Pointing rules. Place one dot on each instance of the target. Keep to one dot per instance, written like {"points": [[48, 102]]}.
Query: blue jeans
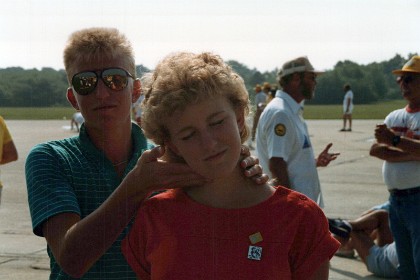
{"points": [[404, 216]]}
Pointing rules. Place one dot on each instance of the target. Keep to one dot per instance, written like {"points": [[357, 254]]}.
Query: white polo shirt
{"points": [[282, 132]]}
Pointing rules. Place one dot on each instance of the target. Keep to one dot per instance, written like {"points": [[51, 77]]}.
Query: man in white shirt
{"points": [[398, 144], [347, 107], [283, 144]]}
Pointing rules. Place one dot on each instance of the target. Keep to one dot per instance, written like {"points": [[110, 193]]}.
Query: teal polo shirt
{"points": [[72, 175]]}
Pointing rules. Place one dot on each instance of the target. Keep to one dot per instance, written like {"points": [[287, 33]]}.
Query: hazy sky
{"points": [[258, 33]]}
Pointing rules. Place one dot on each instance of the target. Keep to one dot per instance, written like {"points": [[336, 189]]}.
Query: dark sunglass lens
{"points": [[407, 79], [84, 83], [116, 79]]}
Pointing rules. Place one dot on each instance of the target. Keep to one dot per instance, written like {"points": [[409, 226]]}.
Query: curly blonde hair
{"points": [[185, 78], [94, 44]]}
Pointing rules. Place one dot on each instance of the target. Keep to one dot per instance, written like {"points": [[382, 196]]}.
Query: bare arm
{"points": [[78, 243], [278, 168], [391, 154], [322, 272], [408, 146], [411, 146], [9, 153]]}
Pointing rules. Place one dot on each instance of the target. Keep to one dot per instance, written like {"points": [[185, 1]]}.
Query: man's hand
{"points": [[252, 168], [325, 157], [383, 134]]}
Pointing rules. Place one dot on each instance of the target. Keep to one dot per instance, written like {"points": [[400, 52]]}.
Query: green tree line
{"points": [[371, 83]]}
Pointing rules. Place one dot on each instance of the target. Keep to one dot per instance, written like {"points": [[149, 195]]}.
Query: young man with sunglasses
{"points": [[84, 191], [398, 144]]}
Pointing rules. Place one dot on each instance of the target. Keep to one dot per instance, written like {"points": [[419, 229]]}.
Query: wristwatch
{"points": [[396, 140]]}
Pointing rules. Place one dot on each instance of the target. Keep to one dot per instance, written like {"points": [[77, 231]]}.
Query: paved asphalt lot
{"points": [[351, 184]]}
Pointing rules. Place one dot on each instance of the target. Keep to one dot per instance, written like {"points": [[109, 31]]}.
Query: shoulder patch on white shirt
{"points": [[280, 129]]}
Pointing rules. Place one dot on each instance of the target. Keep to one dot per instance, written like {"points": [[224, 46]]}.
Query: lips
{"points": [[104, 107], [215, 156]]}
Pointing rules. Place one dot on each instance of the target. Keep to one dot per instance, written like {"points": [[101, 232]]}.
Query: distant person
{"points": [[137, 110], [8, 152], [228, 227], [283, 144], [260, 99], [398, 144], [370, 236], [84, 191], [271, 94], [347, 107], [76, 121]]}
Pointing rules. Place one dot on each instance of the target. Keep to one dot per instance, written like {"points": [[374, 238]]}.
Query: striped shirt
{"points": [[72, 175]]}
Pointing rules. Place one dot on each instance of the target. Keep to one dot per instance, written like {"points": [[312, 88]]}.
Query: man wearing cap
{"points": [[398, 144], [283, 143]]}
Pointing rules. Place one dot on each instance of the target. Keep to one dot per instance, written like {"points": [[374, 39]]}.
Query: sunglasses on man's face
{"points": [[85, 82], [406, 79]]}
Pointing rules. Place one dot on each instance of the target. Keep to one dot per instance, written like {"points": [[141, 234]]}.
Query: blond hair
{"points": [[97, 43], [184, 78]]}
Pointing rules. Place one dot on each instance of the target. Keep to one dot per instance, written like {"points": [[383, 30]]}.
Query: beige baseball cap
{"points": [[300, 64]]}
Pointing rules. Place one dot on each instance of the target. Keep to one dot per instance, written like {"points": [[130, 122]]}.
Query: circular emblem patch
{"points": [[280, 129]]}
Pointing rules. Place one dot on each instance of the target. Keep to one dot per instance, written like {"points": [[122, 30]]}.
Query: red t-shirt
{"points": [[174, 237]]}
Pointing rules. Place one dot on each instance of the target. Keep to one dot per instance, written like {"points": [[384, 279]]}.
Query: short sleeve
{"points": [[134, 245], [49, 191], [281, 135], [313, 243]]}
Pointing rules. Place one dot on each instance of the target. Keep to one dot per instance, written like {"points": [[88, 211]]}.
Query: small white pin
{"points": [[254, 253]]}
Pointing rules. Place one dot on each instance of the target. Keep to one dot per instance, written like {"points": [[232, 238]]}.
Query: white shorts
{"points": [[349, 111], [379, 261]]}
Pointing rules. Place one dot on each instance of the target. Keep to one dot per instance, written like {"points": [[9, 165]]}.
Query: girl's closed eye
{"points": [[187, 136], [218, 122]]}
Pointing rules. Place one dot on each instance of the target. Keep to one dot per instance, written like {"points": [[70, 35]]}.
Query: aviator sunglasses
{"points": [[405, 79], [85, 82]]}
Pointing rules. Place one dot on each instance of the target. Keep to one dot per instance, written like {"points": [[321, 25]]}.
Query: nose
{"points": [[207, 139], [101, 90]]}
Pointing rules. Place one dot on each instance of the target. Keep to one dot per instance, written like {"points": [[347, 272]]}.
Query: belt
{"points": [[405, 192]]}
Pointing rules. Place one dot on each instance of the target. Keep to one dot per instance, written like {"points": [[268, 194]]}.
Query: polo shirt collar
{"points": [[294, 106], [139, 144]]}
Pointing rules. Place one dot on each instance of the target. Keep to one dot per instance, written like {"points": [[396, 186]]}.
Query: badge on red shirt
{"points": [[255, 252]]}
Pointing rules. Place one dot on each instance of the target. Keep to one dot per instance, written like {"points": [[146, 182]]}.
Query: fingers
{"points": [[163, 175], [327, 148], [249, 161], [253, 170], [334, 155], [153, 154], [261, 179], [245, 151]]}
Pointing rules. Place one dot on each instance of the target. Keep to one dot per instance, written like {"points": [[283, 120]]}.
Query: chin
{"points": [[216, 173]]}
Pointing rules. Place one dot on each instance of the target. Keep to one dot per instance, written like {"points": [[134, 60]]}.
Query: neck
{"points": [[115, 142], [232, 192], [413, 107], [294, 93]]}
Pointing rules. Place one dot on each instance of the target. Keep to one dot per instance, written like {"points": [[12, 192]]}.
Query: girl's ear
{"points": [[72, 99]]}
